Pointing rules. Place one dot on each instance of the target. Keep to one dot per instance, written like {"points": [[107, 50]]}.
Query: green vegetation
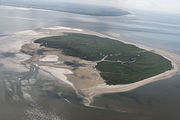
{"points": [[118, 63]]}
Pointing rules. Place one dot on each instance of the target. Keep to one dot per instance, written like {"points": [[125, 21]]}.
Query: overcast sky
{"points": [[171, 6]]}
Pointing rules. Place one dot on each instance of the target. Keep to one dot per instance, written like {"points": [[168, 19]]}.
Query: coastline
{"points": [[103, 89], [90, 89]]}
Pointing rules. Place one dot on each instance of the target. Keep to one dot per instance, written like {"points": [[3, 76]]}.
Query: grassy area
{"points": [[122, 63]]}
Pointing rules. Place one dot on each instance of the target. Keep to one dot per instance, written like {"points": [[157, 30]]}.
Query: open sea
{"points": [[155, 101]]}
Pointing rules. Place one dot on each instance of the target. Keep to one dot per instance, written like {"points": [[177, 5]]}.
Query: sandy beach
{"points": [[85, 79]]}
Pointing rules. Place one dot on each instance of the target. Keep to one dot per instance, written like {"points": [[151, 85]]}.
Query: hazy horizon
{"points": [[164, 6]]}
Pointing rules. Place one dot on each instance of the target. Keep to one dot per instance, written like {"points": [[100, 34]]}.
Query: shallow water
{"points": [[159, 100], [51, 99]]}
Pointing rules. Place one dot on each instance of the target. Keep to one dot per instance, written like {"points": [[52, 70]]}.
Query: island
{"points": [[76, 8], [93, 64], [117, 62]]}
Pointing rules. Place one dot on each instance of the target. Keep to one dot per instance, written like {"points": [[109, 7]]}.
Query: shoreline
{"points": [[104, 89], [91, 88]]}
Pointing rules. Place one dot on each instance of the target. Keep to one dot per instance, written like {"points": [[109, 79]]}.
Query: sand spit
{"points": [[81, 74], [21, 8], [63, 28]]}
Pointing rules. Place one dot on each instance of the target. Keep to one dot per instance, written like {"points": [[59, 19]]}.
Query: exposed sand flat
{"points": [[63, 28], [49, 58], [85, 79], [58, 73], [21, 8], [12, 7]]}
